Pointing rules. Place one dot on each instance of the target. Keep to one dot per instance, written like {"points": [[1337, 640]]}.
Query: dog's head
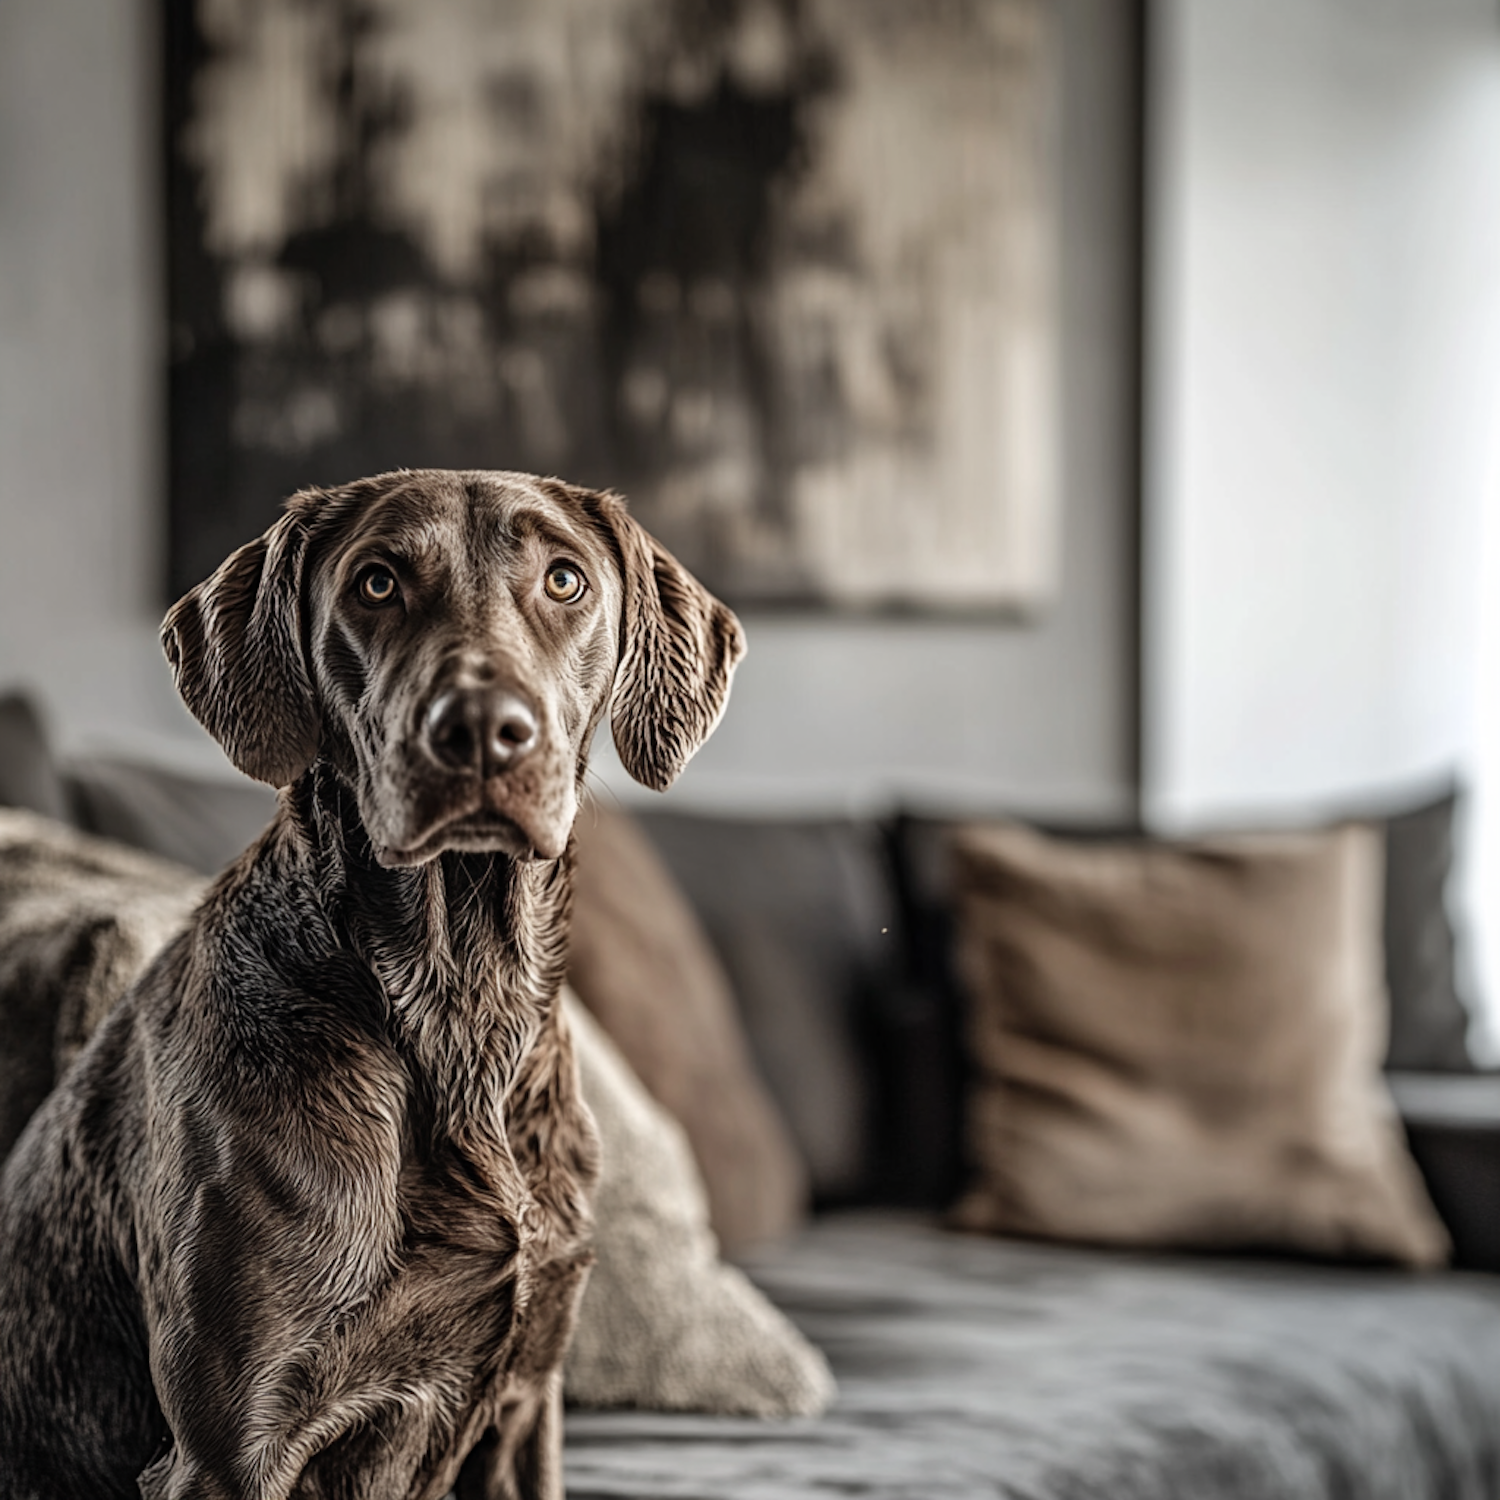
{"points": [[451, 641]]}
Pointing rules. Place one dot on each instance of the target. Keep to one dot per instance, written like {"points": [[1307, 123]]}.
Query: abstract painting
{"points": [[781, 271]]}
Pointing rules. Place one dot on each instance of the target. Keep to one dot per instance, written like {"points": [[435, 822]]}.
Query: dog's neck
{"points": [[469, 950]]}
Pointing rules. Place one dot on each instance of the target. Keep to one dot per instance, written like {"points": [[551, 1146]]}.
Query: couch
{"points": [[982, 1364]]}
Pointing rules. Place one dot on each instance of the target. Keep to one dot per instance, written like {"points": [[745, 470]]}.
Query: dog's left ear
{"points": [[679, 647], [235, 646]]}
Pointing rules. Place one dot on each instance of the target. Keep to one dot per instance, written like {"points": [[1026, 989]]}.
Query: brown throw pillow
{"points": [[641, 964], [1179, 1045]]}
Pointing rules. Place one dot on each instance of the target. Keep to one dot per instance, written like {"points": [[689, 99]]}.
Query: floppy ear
{"points": [[678, 650], [235, 645]]}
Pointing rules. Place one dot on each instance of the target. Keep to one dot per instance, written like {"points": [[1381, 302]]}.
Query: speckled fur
{"points": [[309, 1216]]}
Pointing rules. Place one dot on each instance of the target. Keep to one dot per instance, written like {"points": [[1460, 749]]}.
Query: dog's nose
{"points": [[480, 728]]}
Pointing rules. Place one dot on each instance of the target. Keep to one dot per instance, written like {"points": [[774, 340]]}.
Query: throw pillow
{"points": [[28, 776], [665, 1325], [1429, 1024], [803, 918], [641, 964], [79, 919], [1180, 1045]]}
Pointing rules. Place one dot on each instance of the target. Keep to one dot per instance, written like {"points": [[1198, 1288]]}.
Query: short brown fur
{"points": [[309, 1215]]}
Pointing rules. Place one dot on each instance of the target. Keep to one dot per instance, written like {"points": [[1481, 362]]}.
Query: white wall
{"points": [[827, 713], [1324, 397], [1324, 307]]}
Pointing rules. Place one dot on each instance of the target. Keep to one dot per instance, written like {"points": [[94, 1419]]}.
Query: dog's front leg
{"points": [[520, 1457], [269, 1474], [173, 1478], [539, 1465], [250, 1363], [246, 1464]]}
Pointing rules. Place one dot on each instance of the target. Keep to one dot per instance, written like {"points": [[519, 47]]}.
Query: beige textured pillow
{"points": [[665, 1324], [1179, 1045], [79, 918]]}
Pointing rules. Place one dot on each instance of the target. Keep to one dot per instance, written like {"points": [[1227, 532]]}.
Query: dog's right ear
{"points": [[235, 646]]}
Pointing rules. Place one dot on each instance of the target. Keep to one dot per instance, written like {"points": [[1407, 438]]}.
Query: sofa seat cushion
{"points": [[970, 1367]]}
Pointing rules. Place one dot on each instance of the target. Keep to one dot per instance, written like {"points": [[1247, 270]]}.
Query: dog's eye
{"points": [[377, 586], [564, 583]]}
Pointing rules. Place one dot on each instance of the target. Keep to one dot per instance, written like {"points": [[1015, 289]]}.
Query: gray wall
{"points": [[828, 713]]}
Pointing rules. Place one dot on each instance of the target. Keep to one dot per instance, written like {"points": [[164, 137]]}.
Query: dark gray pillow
{"points": [[803, 919], [29, 777], [193, 820], [1429, 1022]]}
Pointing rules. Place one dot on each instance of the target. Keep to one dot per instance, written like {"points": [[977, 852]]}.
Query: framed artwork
{"points": [[781, 271]]}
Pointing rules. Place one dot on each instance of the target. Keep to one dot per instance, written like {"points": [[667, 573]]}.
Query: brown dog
{"points": [[309, 1215]]}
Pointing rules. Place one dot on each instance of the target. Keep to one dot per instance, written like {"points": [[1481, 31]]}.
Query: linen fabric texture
{"points": [[1179, 1045]]}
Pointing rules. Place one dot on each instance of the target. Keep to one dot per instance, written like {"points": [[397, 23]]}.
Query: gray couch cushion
{"points": [[973, 1368], [1453, 1128], [1429, 1024], [196, 821], [29, 777], [803, 919]]}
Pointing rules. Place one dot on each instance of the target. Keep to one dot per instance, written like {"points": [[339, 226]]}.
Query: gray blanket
{"points": [[971, 1367]]}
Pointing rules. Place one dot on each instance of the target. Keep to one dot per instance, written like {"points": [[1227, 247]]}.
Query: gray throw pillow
{"points": [[29, 777], [803, 919], [197, 821], [1429, 1023]]}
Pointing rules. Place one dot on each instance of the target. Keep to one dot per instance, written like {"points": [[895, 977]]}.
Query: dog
{"points": [[309, 1216]]}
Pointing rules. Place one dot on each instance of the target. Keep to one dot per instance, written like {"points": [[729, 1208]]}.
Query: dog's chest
{"points": [[467, 1322], [484, 1265], [463, 1198]]}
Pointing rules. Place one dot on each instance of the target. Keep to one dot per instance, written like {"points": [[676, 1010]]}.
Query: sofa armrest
{"points": [[1452, 1124]]}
